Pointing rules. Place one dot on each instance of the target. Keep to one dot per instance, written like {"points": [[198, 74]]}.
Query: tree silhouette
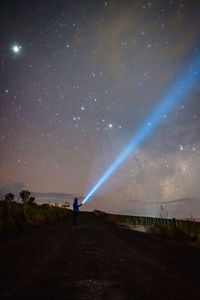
{"points": [[31, 200], [9, 197], [25, 196]]}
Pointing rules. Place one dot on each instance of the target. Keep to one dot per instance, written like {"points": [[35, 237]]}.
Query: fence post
{"points": [[196, 230], [174, 224]]}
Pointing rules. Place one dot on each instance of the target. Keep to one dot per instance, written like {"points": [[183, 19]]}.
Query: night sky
{"points": [[77, 78]]}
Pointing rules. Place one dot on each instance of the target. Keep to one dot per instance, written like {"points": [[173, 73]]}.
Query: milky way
{"points": [[87, 74]]}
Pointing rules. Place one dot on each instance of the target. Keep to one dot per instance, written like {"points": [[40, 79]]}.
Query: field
{"points": [[15, 215]]}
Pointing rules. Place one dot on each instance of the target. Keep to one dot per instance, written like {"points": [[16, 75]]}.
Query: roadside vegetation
{"points": [[16, 215], [164, 226]]}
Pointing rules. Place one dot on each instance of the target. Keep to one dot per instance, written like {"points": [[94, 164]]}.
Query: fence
{"points": [[190, 228]]}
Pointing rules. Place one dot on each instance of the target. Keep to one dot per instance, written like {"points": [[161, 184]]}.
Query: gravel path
{"points": [[95, 260]]}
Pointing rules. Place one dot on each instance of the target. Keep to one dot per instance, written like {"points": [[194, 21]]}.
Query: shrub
{"points": [[9, 197], [25, 196]]}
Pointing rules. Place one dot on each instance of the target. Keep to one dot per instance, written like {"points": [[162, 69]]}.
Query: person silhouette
{"points": [[76, 210]]}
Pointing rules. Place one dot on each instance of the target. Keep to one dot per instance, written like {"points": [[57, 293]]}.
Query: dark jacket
{"points": [[76, 206]]}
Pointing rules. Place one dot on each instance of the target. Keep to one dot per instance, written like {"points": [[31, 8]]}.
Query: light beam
{"points": [[179, 90]]}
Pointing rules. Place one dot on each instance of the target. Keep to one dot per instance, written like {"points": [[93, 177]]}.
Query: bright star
{"points": [[16, 48]]}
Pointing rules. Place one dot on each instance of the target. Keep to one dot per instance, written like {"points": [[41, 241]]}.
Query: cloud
{"points": [[14, 188], [183, 200], [40, 197], [48, 197], [123, 24]]}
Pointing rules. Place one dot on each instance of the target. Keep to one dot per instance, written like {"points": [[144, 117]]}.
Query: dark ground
{"points": [[95, 260]]}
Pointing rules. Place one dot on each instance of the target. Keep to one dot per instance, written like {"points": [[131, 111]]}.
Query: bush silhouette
{"points": [[31, 200], [9, 197], [25, 194]]}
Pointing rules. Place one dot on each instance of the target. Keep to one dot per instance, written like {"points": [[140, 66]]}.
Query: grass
{"points": [[179, 229], [15, 215]]}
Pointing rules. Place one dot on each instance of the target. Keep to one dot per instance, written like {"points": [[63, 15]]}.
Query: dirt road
{"points": [[95, 260]]}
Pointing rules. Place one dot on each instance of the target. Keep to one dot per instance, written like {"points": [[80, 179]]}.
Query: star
{"points": [[72, 79], [16, 48]]}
